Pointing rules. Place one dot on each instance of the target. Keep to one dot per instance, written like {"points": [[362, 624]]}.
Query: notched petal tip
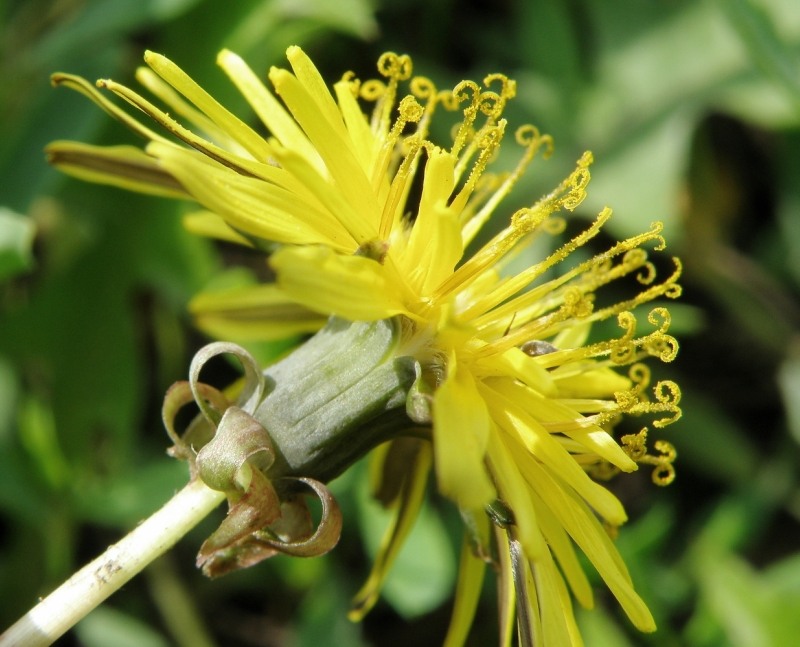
{"points": [[226, 56], [150, 57], [57, 78]]}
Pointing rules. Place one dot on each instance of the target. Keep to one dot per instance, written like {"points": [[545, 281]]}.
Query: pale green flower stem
{"points": [[96, 581], [332, 400]]}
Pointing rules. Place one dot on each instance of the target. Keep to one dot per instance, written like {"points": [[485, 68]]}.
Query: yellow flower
{"points": [[372, 220]]}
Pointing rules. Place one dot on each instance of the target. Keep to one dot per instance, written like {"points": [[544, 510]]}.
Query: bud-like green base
{"points": [[337, 396]]}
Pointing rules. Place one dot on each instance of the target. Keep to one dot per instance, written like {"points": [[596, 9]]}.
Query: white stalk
{"points": [[91, 585]]}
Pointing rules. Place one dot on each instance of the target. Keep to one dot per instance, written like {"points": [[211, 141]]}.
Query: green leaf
{"points": [[783, 582], [723, 451], [259, 32], [735, 520], [599, 629], [423, 575], [16, 242], [126, 499], [76, 327], [37, 433], [549, 37], [789, 383], [789, 206], [349, 16], [641, 544], [767, 50], [9, 392], [751, 609], [650, 72], [101, 22], [106, 626], [322, 619]]}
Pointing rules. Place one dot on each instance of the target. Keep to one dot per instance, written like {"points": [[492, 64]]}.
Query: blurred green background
{"points": [[692, 109]]}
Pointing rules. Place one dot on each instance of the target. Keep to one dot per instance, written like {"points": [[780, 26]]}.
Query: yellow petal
{"points": [[506, 593], [508, 413], [336, 150], [468, 589], [352, 287], [313, 83], [237, 159], [575, 336], [553, 415], [272, 114], [563, 549], [87, 89], [124, 167], [599, 382], [234, 127], [359, 132], [513, 489], [529, 598], [434, 246], [253, 312], [324, 192], [555, 606], [165, 92], [211, 225], [514, 363], [461, 432], [248, 204], [583, 526]]}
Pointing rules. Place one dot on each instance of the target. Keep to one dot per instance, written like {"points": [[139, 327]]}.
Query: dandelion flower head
{"points": [[366, 216]]}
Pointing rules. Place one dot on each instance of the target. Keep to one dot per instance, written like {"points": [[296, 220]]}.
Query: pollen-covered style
{"points": [[367, 217]]}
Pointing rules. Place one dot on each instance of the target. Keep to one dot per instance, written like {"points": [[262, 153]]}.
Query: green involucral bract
{"points": [[295, 426]]}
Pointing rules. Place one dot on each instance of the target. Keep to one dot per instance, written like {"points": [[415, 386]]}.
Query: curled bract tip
{"points": [[232, 452]]}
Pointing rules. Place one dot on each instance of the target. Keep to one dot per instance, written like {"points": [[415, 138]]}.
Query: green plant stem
{"points": [[91, 585]]}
